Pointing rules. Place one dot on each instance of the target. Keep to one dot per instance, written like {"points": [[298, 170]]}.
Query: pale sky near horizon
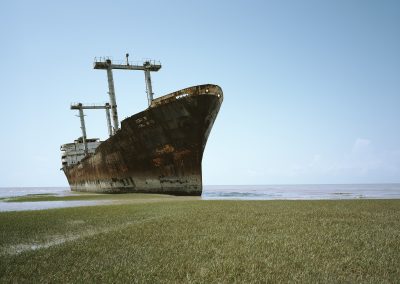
{"points": [[311, 88]]}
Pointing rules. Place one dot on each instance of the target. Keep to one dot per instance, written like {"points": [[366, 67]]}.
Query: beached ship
{"points": [[158, 150]]}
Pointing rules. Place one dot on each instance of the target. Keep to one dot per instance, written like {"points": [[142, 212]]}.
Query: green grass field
{"points": [[190, 240]]}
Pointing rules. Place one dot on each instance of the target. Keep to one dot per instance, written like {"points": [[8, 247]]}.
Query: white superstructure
{"points": [[73, 153]]}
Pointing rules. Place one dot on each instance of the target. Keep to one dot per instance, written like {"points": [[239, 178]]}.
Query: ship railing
{"points": [[103, 58], [191, 91], [123, 62], [90, 104]]}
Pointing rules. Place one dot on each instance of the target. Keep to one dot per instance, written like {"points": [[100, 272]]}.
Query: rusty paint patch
{"points": [[166, 149], [179, 155], [157, 162]]}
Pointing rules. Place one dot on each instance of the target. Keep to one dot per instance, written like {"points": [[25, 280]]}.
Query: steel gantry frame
{"points": [[81, 107], [106, 64]]}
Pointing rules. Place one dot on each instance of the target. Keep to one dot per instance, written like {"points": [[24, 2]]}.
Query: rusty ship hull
{"points": [[158, 150]]}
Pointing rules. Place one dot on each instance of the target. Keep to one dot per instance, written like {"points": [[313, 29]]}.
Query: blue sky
{"points": [[312, 88]]}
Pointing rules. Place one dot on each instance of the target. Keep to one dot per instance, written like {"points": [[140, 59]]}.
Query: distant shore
{"points": [[150, 238]]}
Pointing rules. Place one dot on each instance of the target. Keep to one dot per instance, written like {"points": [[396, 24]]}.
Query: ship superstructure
{"points": [[73, 153]]}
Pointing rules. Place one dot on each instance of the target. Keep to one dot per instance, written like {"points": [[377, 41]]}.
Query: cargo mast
{"points": [[106, 64]]}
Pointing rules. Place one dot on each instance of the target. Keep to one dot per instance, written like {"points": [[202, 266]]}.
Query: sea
{"points": [[221, 192]]}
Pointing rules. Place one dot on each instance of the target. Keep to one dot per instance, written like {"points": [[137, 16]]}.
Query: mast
{"points": [[82, 118], [107, 107], [111, 92], [147, 79]]}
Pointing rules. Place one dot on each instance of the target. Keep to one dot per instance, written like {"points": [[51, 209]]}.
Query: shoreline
{"points": [[47, 201]]}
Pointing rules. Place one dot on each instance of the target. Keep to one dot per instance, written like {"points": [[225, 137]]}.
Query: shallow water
{"points": [[40, 205], [220, 192], [22, 191], [303, 191], [7, 192]]}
